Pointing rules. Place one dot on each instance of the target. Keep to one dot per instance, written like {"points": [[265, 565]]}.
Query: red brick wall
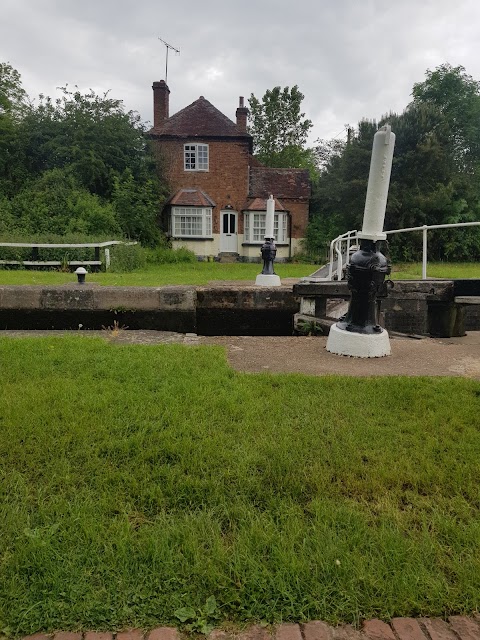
{"points": [[226, 181], [299, 214]]}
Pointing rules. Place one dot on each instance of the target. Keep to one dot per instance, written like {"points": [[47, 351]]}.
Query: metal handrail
{"points": [[349, 236]]}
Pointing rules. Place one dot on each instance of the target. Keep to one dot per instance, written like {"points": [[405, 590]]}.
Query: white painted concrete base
{"points": [[268, 281], [358, 345]]}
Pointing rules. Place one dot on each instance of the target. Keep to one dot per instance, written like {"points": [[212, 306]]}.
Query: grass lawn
{"points": [[201, 273], [195, 273], [139, 480], [413, 271]]}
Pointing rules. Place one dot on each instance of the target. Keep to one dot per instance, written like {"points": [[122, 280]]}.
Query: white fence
{"points": [[340, 247], [35, 246]]}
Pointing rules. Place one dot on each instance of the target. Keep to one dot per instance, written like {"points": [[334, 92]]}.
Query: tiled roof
{"points": [[191, 198], [282, 183], [200, 119], [260, 204]]}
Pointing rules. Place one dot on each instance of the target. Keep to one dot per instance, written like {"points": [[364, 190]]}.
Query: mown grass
{"points": [[136, 480], [196, 273], [201, 273], [413, 270]]}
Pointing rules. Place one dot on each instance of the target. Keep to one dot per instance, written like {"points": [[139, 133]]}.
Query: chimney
{"points": [[241, 113], [161, 94]]}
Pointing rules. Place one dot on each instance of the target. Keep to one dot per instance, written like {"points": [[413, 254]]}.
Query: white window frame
{"points": [[254, 227], [191, 222], [195, 156]]}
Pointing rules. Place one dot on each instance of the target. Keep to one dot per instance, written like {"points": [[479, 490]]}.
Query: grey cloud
{"points": [[350, 59]]}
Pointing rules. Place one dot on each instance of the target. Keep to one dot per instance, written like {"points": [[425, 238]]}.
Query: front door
{"points": [[228, 235]]}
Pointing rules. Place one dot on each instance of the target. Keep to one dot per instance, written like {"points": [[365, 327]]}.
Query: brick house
{"points": [[218, 189]]}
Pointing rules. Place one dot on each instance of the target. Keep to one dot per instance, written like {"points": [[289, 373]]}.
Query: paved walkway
{"points": [[307, 354], [455, 628]]}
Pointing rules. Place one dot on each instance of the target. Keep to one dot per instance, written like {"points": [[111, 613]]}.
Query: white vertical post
{"points": [[378, 182], [107, 259], [424, 254], [269, 221]]}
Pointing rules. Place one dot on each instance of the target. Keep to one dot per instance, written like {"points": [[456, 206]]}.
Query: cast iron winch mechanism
{"points": [[366, 273]]}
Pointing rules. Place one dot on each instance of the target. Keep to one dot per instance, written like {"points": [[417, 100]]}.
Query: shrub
{"points": [[165, 255], [127, 257]]}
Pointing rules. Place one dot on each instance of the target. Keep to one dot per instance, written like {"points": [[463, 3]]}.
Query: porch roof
{"points": [[260, 204], [191, 198]]}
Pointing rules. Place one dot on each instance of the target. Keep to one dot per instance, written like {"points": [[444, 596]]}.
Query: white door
{"points": [[228, 232]]}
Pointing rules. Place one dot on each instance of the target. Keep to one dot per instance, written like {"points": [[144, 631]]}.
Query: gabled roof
{"points": [[200, 119], [282, 183], [191, 198]]}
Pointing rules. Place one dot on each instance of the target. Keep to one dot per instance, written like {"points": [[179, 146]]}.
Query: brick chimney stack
{"points": [[161, 94], [241, 113]]}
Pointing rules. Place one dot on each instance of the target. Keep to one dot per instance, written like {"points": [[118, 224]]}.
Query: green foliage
{"points": [[434, 180], [456, 96], [13, 97], [56, 203], [127, 257], [279, 129], [167, 255], [137, 206], [88, 147], [201, 620]]}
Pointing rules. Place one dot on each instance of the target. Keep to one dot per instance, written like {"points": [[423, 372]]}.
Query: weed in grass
{"points": [[165, 483], [115, 330]]}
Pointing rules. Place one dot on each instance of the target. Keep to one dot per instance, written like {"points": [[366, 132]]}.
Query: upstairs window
{"points": [[195, 157]]}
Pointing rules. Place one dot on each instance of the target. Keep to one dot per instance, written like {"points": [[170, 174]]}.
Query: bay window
{"points": [[254, 227], [191, 222]]}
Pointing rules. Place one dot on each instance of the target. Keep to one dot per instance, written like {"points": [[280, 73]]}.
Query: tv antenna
{"points": [[168, 46]]}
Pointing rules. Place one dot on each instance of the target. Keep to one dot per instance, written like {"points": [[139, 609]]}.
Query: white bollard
{"points": [[378, 183]]}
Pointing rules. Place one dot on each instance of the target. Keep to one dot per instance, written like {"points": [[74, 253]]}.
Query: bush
{"points": [[127, 257], [166, 255]]}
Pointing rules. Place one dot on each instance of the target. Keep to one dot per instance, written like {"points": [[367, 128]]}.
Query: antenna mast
{"points": [[168, 46]]}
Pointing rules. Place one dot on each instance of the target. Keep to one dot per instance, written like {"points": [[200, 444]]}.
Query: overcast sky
{"points": [[351, 59]]}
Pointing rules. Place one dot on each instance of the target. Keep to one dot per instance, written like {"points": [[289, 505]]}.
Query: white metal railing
{"points": [[43, 245], [340, 246]]}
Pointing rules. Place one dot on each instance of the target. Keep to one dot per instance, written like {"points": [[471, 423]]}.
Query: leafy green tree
{"points": [[14, 105], [13, 97], [91, 134], [55, 203], [83, 151], [435, 174], [137, 208], [280, 129], [456, 95]]}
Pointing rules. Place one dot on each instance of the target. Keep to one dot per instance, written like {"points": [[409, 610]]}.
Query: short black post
{"points": [[365, 275], [81, 273]]}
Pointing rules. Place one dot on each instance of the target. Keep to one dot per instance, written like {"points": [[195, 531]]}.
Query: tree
{"points": [[435, 174], [456, 95], [13, 106], [279, 128], [55, 203], [85, 145], [13, 97]]}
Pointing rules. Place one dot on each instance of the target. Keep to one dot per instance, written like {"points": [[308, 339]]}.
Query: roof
{"points": [[282, 183], [260, 204], [200, 119], [191, 198]]}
